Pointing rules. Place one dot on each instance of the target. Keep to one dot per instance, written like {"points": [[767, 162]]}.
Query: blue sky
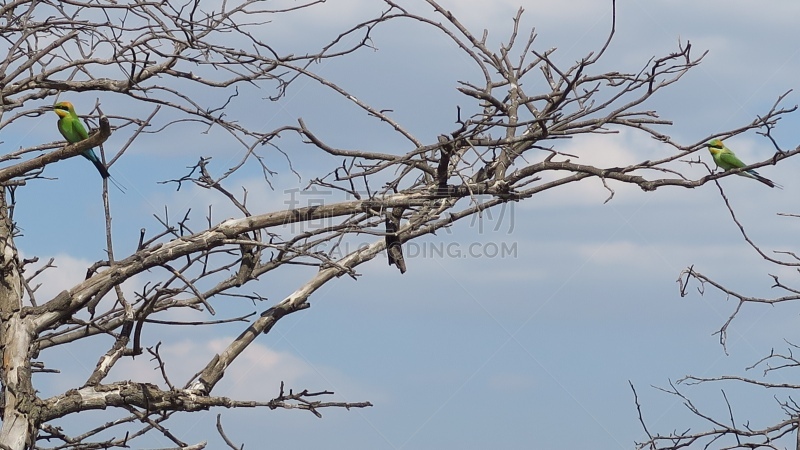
{"points": [[529, 350]]}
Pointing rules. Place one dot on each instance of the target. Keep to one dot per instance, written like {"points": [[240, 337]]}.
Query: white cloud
{"points": [[612, 150], [256, 373], [68, 272], [604, 151]]}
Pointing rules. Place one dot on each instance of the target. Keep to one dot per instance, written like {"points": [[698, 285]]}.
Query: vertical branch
{"points": [[16, 334], [797, 434]]}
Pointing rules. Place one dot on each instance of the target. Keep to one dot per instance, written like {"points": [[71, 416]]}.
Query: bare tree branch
{"points": [[176, 65]]}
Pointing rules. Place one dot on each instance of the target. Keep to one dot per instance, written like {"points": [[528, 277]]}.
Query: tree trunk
{"points": [[16, 335]]}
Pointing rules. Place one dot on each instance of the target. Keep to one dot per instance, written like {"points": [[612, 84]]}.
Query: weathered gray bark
{"points": [[16, 333]]}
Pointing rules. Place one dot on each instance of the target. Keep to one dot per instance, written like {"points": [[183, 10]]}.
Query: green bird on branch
{"points": [[725, 159], [70, 126]]}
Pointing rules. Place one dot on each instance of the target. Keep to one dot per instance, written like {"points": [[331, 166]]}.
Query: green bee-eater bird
{"points": [[70, 126], [726, 160]]}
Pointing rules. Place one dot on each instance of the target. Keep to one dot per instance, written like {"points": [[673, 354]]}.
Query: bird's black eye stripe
{"points": [[62, 107]]}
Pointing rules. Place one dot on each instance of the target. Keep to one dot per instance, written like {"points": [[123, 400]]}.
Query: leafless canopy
{"points": [[173, 57], [738, 429]]}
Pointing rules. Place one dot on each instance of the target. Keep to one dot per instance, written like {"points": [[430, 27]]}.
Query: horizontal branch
{"points": [[152, 399], [68, 151]]}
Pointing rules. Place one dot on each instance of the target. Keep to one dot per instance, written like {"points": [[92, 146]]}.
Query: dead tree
{"points": [[503, 147]]}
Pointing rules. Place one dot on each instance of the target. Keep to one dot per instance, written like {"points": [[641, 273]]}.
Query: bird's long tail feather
{"points": [[101, 168], [117, 184], [753, 174], [90, 155]]}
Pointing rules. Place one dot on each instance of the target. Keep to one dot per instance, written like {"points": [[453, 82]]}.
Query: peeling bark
{"points": [[16, 335]]}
